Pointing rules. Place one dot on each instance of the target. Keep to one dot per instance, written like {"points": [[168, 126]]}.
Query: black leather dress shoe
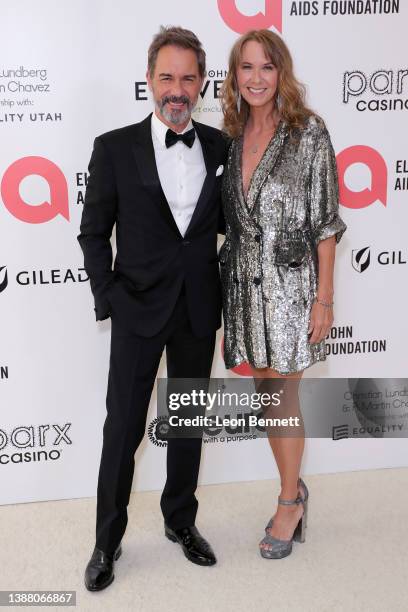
{"points": [[195, 547], [99, 571]]}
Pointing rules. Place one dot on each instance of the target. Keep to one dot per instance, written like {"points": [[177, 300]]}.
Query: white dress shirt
{"points": [[181, 171]]}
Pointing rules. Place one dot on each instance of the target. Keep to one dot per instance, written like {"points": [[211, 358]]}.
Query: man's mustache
{"points": [[176, 100]]}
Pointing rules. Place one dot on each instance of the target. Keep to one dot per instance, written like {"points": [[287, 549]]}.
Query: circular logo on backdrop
{"points": [[40, 213], [377, 191], [269, 15], [158, 428], [379, 404]]}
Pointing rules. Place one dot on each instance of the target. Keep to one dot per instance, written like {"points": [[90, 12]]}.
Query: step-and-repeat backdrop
{"points": [[72, 70]]}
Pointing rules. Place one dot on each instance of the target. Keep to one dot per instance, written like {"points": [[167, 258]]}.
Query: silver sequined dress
{"points": [[267, 306]]}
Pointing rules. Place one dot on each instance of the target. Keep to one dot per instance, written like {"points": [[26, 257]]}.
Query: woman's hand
{"points": [[321, 320]]}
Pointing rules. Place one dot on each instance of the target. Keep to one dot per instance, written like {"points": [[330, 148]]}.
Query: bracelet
{"points": [[327, 304]]}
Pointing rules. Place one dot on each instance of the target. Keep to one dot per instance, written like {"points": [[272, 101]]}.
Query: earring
{"points": [[278, 101], [239, 102]]}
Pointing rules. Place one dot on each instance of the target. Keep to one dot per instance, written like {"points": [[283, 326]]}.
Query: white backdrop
{"points": [[70, 71]]}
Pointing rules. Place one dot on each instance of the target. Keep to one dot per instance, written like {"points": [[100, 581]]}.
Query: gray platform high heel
{"points": [[301, 484], [283, 548]]}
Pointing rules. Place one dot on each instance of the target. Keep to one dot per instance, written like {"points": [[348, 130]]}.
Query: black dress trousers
{"points": [[134, 361]]}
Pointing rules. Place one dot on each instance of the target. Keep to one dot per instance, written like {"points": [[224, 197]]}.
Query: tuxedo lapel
{"points": [[146, 163], [208, 146]]}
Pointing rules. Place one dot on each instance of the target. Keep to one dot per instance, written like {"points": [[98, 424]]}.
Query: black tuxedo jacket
{"points": [[153, 258]]}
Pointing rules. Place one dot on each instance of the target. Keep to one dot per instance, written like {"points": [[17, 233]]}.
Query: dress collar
{"points": [[262, 170]]}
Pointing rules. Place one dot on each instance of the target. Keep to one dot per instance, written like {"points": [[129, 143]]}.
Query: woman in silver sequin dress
{"points": [[280, 201]]}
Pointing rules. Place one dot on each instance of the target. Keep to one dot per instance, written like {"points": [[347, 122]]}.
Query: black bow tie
{"points": [[173, 137]]}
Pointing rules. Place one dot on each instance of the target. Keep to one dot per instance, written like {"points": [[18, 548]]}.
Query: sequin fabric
{"points": [[267, 306]]}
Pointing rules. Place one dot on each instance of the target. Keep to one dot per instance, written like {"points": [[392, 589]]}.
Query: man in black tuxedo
{"points": [[159, 180]]}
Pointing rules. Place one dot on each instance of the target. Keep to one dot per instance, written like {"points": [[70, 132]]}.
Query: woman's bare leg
{"points": [[287, 449]]}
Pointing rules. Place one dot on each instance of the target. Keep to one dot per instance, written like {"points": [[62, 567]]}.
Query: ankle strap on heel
{"points": [[290, 502]]}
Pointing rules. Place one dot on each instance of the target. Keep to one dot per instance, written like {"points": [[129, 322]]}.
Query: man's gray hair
{"points": [[179, 37]]}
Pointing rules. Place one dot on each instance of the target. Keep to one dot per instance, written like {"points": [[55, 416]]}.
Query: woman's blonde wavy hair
{"points": [[292, 107]]}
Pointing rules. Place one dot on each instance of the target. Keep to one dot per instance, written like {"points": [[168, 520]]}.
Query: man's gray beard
{"points": [[176, 117]]}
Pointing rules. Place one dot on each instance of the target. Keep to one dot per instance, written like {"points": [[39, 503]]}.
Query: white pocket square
{"points": [[220, 170]]}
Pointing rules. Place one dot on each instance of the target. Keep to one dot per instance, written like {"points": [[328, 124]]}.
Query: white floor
{"points": [[354, 558]]}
